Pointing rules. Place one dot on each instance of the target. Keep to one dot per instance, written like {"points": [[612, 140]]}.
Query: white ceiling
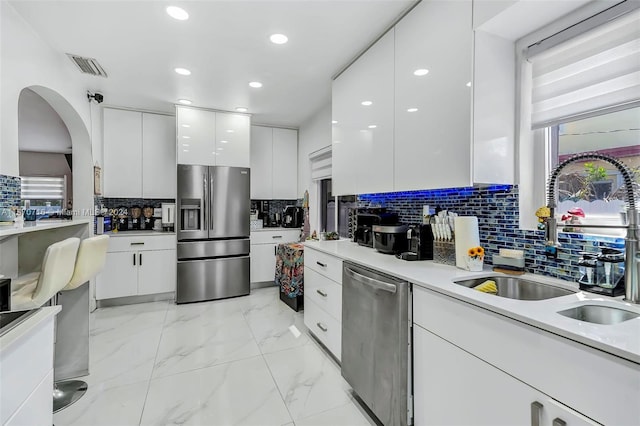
{"points": [[224, 43]]}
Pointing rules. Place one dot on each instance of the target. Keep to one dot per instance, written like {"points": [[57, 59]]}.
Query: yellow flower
{"points": [[480, 250], [472, 251]]}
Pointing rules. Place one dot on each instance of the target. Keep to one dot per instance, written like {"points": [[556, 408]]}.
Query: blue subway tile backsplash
{"points": [[9, 191], [497, 210]]}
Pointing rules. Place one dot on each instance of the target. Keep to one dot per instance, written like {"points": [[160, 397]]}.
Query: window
{"points": [[44, 194], [581, 93]]}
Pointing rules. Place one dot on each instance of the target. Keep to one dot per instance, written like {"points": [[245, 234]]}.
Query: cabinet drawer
{"points": [[324, 327], [324, 292], [275, 236], [327, 265], [142, 243]]}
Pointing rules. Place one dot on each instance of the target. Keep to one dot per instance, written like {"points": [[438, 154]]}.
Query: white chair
{"points": [[91, 258], [35, 289]]}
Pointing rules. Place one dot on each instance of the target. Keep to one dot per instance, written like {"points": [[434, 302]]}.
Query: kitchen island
{"points": [[26, 357]]}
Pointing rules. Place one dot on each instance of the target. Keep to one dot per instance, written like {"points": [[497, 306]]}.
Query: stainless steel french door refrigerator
{"points": [[213, 232]]}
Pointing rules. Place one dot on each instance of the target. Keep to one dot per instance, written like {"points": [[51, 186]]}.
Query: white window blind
{"points": [[42, 188], [321, 164], [593, 73]]}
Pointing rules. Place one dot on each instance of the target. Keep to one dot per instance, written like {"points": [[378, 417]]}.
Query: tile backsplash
{"points": [[115, 203], [9, 191], [497, 210]]}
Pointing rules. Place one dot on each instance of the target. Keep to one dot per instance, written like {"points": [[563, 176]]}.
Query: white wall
{"points": [[28, 61], [40, 128], [314, 134]]}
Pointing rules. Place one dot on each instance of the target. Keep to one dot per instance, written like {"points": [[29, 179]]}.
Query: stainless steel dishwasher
{"points": [[376, 342]]}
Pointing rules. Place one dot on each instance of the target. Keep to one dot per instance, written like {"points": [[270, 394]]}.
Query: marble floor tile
{"points": [[128, 319], [276, 331], [263, 301], [346, 415], [121, 406], [309, 380], [203, 341], [236, 393]]}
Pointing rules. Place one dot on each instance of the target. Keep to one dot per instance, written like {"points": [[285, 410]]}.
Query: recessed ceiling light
{"points": [[372, 126], [177, 13], [469, 84], [220, 149], [279, 38], [420, 72], [334, 122], [230, 131], [186, 125], [224, 141], [185, 102], [412, 109], [366, 103], [255, 84], [186, 137], [242, 109], [182, 71]]}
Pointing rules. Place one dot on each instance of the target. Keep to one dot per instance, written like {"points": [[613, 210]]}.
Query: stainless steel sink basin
{"points": [[519, 288], [599, 314]]}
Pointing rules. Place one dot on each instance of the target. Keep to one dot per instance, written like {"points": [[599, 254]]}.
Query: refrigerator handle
{"points": [[205, 203], [210, 205]]}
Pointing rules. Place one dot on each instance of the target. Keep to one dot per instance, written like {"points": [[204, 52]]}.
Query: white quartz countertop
{"points": [[621, 339], [26, 326], [137, 233], [41, 225]]}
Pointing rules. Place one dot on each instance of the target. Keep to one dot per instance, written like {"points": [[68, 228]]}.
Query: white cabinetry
{"points": [[263, 251], [138, 266], [139, 154], [448, 378], [433, 111], [212, 138], [499, 359], [274, 163], [363, 146], [323, 298]]}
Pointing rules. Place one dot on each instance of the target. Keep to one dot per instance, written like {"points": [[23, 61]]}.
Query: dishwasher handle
{"points": [[391, 288]]}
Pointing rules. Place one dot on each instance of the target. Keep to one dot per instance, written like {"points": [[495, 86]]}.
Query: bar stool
{"points": [[35, 289], [91, 258]]}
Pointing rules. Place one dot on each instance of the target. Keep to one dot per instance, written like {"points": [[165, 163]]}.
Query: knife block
{"points": [[444, 252]]}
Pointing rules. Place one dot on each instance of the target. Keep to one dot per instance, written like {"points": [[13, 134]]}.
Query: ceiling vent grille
{"points": [[87, 65]]}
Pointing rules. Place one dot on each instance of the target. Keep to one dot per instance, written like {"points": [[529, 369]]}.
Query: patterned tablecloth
{"points": [[290, 269]]}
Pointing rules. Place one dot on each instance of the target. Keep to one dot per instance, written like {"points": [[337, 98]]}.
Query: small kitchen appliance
{"points": [[168, 216], [292, 217], [148, 221], [122, 220], [365, 221], [420, 242], [390, 239], [136, 221]]}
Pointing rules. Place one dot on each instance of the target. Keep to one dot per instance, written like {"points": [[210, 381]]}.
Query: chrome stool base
{"points": [[67, 392]]}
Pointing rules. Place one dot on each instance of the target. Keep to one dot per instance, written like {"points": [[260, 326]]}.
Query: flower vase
{"points": [[475, 264]]}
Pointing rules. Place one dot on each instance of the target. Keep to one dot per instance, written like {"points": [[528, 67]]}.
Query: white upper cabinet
{"points": [[212, 138], [232, 139], [122, 153], [158, 156], [433, 65], [274, 163], [139, 154], [363, 134], [196, 136], [261, 163], [285, 164]]}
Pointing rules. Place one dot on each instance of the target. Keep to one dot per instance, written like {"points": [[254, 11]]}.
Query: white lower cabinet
{"points": [[323, 298], [453, 387], [263, 251], [138, 266]]}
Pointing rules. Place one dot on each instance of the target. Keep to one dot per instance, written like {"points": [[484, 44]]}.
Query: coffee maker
{"points": [[420, 238]]}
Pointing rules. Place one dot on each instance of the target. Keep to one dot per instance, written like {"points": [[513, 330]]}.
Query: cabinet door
{"points": [[261, 163], [196, 136], [122, 172], [232, 140], [158, 156], [119, 278], [263, 262], [156, 271], [285, 164], [433, 111], [343, 144]]}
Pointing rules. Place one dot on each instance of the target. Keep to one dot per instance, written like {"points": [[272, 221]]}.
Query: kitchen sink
{"points": [[519, 288], [598, 314]]}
